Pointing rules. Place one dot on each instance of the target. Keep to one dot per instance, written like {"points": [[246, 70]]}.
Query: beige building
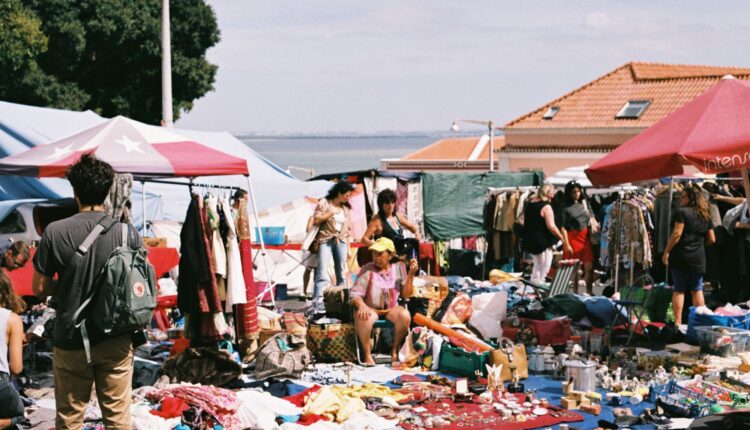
{"points": [[583, 125]]}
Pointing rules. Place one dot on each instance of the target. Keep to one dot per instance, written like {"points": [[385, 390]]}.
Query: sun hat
{"points": [[383, 244]]}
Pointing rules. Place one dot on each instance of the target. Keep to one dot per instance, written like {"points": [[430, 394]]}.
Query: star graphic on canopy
{"points": [[130, 146], [60, 152]]}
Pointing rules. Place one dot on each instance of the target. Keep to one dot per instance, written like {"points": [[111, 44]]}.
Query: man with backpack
{"points": [[81, 251]]}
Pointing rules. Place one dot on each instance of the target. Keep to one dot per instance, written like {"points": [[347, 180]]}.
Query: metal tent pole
{"points": [[143, 208], [269, 284]]}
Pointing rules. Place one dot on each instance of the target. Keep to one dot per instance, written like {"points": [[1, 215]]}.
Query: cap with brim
{"points": [[383, 244]]}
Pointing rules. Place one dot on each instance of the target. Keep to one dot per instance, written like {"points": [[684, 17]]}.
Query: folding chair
{"points": [[633, 305], [381, 324], [565, 273]]}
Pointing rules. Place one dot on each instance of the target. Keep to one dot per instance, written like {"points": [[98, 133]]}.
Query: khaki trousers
{"points": [[111, 370]]}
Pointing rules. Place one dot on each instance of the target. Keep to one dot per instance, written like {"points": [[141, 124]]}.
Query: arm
{"points": [[727, 199], [322, 215], [409, 226], [42, 285], [549, 220], [408, 287], [673, 239], [710, 237], [373, 227], [566, 242], [15, 344], [357, 294]]}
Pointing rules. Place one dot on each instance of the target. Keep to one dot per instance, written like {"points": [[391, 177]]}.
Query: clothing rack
{"points": [[270, 284]]}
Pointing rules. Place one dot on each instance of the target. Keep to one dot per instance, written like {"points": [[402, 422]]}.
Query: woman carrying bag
{"points": [[332, 216]]}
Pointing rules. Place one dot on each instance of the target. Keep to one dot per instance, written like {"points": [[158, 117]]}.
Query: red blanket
{"points": [[471, 417]]}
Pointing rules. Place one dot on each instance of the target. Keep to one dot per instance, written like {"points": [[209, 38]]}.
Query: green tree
{"points": [[21, 43], [105, 55]]}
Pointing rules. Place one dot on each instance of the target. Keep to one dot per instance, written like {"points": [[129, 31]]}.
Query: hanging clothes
{"points": [[629, 233], [217, 245], [246, 314], [116, 203], [236, 291], [402, 196], [197, 291]]}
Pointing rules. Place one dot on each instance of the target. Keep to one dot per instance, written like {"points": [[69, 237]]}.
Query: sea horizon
{"points": [[305, 155]]}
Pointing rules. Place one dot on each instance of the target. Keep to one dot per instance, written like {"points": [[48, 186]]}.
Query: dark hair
{"points": [[340, 187], [696, 201], [20, 248], [91, 179], [569, 188], [240, 193], [386, 196]]}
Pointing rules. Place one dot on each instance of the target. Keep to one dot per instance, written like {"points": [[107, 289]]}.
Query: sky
{"points": [[319, 66]]}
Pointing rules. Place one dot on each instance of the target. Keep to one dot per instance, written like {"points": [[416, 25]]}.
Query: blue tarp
{"points": [[22, 127]]}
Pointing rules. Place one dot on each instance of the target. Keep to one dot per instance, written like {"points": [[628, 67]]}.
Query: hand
{"points": [[413, 266], [569, 249], [665, 258], [363, 312]]}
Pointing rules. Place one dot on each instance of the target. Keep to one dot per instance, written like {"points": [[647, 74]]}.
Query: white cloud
{"points": [[597, 20]]}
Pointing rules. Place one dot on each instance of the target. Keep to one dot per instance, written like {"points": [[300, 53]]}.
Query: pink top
{"points": [[379, 290]]}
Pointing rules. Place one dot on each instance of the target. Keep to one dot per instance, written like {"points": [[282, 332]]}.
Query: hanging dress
{"points": [[236, 291]]}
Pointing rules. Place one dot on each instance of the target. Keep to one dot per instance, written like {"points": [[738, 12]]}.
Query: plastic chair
{"points": [[381, 323], [560, 284], [633, 305]]}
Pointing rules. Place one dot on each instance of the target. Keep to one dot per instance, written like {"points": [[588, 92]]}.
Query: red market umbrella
{"points": [[711, 132], [130, 147]]}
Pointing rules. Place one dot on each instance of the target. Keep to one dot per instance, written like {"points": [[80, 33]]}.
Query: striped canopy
{"points": [[130, 147]]}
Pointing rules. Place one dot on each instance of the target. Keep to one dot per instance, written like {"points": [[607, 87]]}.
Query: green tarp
{"points": [[453, 202]]}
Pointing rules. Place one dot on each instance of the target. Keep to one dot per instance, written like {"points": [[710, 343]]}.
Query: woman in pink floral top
{"points": [[376, 293]]}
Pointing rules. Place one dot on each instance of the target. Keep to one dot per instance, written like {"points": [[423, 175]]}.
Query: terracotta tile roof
{"points": [[454, 149], [595, 105]]}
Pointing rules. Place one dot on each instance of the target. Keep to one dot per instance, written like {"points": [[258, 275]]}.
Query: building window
{"points": [[633, 109], [551, 112]]}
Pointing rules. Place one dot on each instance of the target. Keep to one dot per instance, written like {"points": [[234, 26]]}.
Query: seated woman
{"points": [[11, 336], [376, 293]]}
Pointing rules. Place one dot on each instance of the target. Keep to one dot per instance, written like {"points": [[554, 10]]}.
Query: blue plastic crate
{"points": [[271, 235]]}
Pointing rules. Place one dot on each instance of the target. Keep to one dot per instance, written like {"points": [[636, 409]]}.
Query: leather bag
{"points": [[517, 358], [332, 343]]}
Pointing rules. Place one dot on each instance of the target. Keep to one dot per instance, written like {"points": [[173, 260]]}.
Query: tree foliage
{"points": [[105, 55]]}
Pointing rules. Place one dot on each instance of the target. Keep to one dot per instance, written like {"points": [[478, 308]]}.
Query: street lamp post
{"points": [[491, 126]]}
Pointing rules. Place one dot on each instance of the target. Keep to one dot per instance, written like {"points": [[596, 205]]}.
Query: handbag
{"points": [[282, 355], [311, 240], [510, 355], [549, 332], [332, 343]]}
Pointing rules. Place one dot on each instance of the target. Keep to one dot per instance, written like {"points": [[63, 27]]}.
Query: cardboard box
{"points": [[155, 242], [567, 403], [594, 409], [584, 402]]}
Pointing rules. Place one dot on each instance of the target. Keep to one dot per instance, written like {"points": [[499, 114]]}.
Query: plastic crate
{"points": [[271, 235], [457, 361], [722, 341], [681, 401]]}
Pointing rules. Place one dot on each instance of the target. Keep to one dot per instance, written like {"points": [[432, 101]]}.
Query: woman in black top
{"points": [[540, 232], [388, 223], [685, 253]]}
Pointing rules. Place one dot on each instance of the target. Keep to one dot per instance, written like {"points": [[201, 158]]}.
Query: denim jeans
{"points": [[336, 249]]}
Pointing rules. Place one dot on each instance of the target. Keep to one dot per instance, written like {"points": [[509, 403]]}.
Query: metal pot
{"points": [[582, 373]]}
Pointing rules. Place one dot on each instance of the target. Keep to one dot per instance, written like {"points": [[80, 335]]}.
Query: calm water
{"points": [[334, 154]]}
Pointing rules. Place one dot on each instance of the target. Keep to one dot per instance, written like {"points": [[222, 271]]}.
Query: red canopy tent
{"points": [[711, 132], [129, 146]]}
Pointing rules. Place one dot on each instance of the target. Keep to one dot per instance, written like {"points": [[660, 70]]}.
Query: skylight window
{"points": [[551, 112], [633, 109]]}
